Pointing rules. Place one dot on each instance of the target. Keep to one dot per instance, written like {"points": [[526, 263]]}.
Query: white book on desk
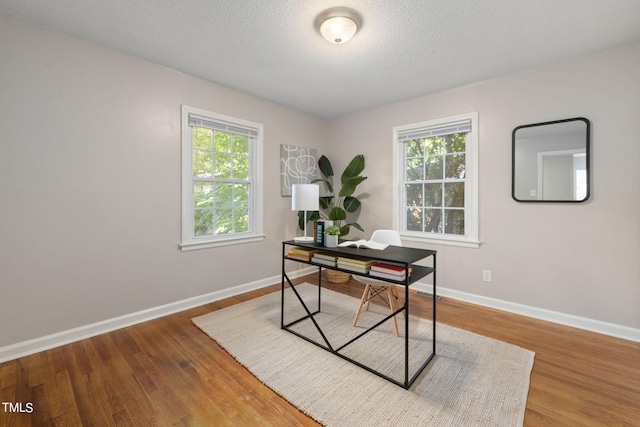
{"points": [[369, 244]]}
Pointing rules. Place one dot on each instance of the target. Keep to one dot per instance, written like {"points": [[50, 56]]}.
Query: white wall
{"points": [[90, 184], [576, 259]]}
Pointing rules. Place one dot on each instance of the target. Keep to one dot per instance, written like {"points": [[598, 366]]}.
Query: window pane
{"points": [[202, 163], [222, 165], [455, 166], [414, 148], [240, 144], [203, 223], [222, 142], [434, 168], [414, 219], [455, 221], [456, 143], [454, 194], [434, 145], [415, 169], [433, 195], [241, 195], [202, 138], [414, 195], [241, 220], [202, 195], [433, 220], [224, 221], [240, 166], [223, 195]]}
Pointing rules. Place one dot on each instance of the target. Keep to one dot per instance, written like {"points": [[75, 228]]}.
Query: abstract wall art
{"points": [[298, 165]]}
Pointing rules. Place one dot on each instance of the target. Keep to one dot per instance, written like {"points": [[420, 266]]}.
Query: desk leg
{"points": [[282, 292], [406, 337], [434, 303], [319, 285]]}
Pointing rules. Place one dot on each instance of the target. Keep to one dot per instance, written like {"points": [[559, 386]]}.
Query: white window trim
{"points": [[189, 242], [471, 238]]}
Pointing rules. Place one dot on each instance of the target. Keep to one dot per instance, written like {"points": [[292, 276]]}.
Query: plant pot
{"points": [[331, 240]]}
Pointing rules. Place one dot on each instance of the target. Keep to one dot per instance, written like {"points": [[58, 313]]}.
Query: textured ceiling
{"points": [[405, 48]]}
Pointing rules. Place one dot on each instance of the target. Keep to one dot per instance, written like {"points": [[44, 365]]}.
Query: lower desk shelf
{"points": [[418, 271]]}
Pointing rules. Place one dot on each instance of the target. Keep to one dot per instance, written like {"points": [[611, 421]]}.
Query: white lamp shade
{"points": [[338, 29], [305, 197]]}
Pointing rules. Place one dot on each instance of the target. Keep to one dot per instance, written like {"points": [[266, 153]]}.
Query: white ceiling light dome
{"points": [[338, 25]]}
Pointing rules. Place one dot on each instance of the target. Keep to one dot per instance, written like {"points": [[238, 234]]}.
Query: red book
{"points": [[394, 269]]}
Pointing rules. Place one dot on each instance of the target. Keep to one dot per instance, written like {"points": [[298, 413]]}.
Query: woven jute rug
{"points": [[472, 380]]}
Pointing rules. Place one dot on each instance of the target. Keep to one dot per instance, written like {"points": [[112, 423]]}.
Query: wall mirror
{"points": [[551, 161]]}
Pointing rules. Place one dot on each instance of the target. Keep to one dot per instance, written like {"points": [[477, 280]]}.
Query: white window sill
{"points": [[445, 240], [226, 241]]}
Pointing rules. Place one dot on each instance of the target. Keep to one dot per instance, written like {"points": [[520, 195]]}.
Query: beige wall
{"points": [[90, 184], [576, 259]]}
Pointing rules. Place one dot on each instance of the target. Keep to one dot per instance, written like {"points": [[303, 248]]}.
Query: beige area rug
{"points": [[472, 380]]}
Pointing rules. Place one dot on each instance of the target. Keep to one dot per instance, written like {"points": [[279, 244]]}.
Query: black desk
{"points": [[396, 254]]}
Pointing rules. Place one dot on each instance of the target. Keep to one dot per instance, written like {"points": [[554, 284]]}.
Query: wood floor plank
{"points": [[60, 401], [167, 372]]}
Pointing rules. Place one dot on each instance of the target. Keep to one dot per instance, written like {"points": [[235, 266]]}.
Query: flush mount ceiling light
{"points": [[338, 24]]}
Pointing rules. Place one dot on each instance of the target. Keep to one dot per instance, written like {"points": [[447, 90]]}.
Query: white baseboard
{"points": [[611, 329], [36, 345], [47, 342]]}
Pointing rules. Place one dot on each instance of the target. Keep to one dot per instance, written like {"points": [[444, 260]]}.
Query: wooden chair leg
{"points": [[365, 295], [395, 322]]}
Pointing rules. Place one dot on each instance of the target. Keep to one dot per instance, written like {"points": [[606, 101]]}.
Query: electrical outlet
{"points": [[487, 276]]}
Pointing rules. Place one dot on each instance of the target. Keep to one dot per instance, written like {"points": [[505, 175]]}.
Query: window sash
{"points": [[442, 207], [248, 201], [216, 211], [467, 123]]}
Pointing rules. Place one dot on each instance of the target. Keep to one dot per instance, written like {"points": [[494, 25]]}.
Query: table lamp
{"points": [[305, 197]]}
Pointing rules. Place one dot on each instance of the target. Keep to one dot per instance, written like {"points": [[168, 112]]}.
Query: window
{"points": [[436, 175], [221, 180]]}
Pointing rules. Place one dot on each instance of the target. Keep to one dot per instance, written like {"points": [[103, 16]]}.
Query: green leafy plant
{"points": [[335, 207], [333, 230]]}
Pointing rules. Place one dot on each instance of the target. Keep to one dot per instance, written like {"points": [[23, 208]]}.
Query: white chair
{"points": [[375, 287]]}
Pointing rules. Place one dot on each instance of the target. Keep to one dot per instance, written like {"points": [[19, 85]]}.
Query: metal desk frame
{"points": [[403, 255]]}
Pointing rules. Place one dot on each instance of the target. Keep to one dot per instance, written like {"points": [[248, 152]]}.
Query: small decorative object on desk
{"points": [[369, 244], [331, 236]]}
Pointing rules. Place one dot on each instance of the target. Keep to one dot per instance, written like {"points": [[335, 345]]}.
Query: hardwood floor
{"points": [[166, 372]]}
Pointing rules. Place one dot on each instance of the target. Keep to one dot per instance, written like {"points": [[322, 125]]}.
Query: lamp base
{"points": [[303, 239]]}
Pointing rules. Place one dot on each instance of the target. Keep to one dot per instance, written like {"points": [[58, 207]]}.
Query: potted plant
{"points": [[331, 236], [337, 204]]}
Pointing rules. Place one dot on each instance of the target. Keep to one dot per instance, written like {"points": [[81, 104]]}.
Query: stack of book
{"points": [[389, 271], [324, 259], [303, 254], [355, 265]]}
